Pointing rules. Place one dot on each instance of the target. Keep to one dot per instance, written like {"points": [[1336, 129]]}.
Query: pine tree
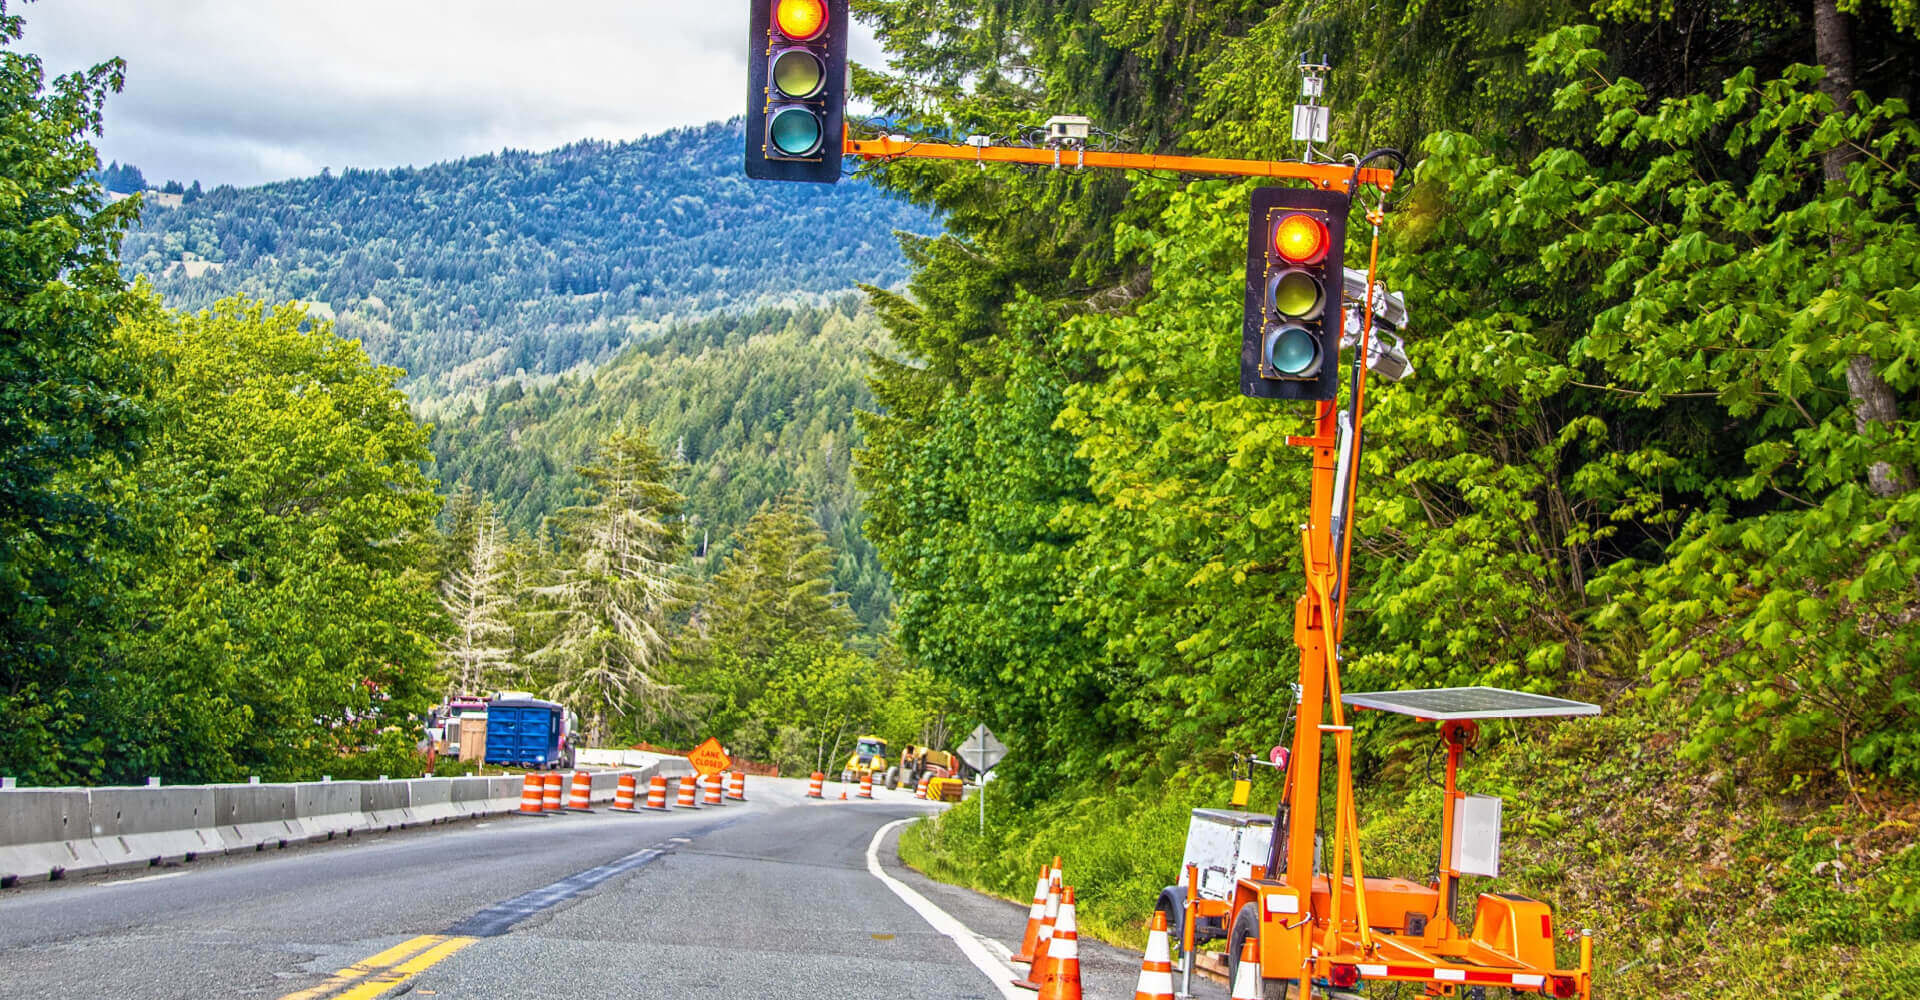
{"points": [[479, 654], [616, 587]]}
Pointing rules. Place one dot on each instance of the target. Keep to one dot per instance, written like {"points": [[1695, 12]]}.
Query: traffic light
{"points": [[1290, 337], [796, 89]]}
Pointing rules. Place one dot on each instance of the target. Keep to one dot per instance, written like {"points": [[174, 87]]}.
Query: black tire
{"points": [[1246, 924], [1172, 903], [893, 777]]}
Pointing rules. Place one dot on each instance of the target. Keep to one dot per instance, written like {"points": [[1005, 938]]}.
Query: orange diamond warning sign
{"points": [[709, 758]]}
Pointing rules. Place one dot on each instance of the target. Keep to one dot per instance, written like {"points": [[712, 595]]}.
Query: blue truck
{"points": [[528, 732]]}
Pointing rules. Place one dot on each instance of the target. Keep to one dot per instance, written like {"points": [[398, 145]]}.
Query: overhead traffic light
{"points": [[1290, 337], [796, 89]]}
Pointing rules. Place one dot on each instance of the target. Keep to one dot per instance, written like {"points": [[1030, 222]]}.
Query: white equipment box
{"points": [[1225, 844]]}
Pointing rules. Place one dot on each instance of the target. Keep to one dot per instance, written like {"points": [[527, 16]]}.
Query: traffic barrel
{"points": [[533, 792], [1045, 939], [866, 784], [550, 801], [580, 798], [1062, 981], [1036, 915], [737, 790], [1246, 980], [687, 798], [623, 794], [814, 784], [920, 789], [657, 793], [713, 790], [1156, 967]]}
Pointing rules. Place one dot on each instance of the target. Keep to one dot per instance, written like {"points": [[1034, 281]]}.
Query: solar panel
{"points": [[1440, 704]]}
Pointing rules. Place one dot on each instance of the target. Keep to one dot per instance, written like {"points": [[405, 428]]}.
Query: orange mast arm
{"points": [[1326, 175]]}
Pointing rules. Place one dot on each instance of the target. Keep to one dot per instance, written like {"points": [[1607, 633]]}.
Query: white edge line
{"points": [[971, 945], [143, 878]]}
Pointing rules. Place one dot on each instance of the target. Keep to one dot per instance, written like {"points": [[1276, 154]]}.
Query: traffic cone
{"points": [[1062, 981], [814, 784], [533, 792], [1036, 915], [657, 793], [580, 797], [686, 797], [1246, 983], [737, 790], [623, 794], [550, 800], [713, 790], [866, 784], [1156, 968], [1040, 944]]}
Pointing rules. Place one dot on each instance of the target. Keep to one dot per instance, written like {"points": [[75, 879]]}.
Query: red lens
{"points": [[1343, 976], [1563, 987], [800, 19], [1301, 239]]}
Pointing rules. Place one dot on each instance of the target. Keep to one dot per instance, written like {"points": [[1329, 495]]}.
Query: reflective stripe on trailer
{"points": [[1531, 980]]}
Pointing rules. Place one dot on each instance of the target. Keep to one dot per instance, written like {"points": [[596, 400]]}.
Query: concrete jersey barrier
{"points": [[55, 832]]}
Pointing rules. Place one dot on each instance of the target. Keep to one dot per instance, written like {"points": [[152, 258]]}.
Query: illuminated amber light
{"points": [[800, 19], [1301, 239]]}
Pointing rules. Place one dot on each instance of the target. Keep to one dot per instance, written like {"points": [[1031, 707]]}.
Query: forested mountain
{"points": [[750, 405], [518, 261]]}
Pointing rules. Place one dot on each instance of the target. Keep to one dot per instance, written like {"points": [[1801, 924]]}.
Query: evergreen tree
{"points": [[617, 585], [479, 654]]}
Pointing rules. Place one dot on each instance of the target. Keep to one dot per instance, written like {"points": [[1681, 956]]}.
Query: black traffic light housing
{"points": [[796, 89], [1290, 336]]}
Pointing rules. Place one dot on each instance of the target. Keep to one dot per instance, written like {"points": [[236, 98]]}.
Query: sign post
{"points": [[981, 751]]}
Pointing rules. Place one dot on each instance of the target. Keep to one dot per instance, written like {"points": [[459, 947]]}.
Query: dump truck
{"points": [[869, 757]]}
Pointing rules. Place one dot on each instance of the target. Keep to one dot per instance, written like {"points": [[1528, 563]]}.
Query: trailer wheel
{"points": [[1246, 925], [1171, 903]]}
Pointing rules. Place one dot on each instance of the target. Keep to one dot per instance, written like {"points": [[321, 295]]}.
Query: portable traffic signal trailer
{"points": [[1341, 926]]}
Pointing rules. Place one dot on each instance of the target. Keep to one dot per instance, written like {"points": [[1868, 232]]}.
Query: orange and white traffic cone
{"points": [[623, 794], [1246, 981], [814, 784], [533, 792], [866, 784], [550, 800], [920, 788], [1036, 915], [713, 790], [1044, 941], [580, 798], [687, 799], [1156, 967], [737, 789], [1062, 980], [657, 793]]}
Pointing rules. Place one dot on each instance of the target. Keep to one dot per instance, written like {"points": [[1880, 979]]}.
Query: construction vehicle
{"points": [[1303, 897], [869, 757], [918, 762]]}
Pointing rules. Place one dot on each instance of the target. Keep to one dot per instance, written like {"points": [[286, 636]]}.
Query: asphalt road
{"points": [[771, 898]]}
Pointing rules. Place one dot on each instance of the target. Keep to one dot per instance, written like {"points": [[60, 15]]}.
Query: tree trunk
{"points": [[1873, 399]]}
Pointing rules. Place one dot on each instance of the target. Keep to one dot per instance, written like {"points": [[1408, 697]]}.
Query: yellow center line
{"points": [[366, 966], [401, 973]]}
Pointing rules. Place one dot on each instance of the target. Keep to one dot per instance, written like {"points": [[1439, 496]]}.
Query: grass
{"points": [[1699, 878]]}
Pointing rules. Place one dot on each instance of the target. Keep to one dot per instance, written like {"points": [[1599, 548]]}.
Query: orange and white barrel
{"points": [[550, 801], [580, 797], [920, 789], [623, 794], [866, 784], [814, 785], [687, 797], [533, 792], [713, 790], [737, 786], [657, 793]]}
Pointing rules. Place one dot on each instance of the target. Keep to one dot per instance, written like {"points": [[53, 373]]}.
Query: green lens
{"points": [[798, 73], [1293, 352], [1296, 294], [794, 131]]}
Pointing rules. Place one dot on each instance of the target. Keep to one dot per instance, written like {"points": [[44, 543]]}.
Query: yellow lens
{"points": [[800, 19], [1300, 239]]}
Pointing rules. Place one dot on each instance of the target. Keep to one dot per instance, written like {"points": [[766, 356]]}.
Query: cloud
{"points": [[247, 92]]}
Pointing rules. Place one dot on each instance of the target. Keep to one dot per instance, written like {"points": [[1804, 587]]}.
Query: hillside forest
{"points": [[1662, 263]]}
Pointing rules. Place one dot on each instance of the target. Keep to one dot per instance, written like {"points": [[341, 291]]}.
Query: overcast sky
{"points": [[247, 91]]}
